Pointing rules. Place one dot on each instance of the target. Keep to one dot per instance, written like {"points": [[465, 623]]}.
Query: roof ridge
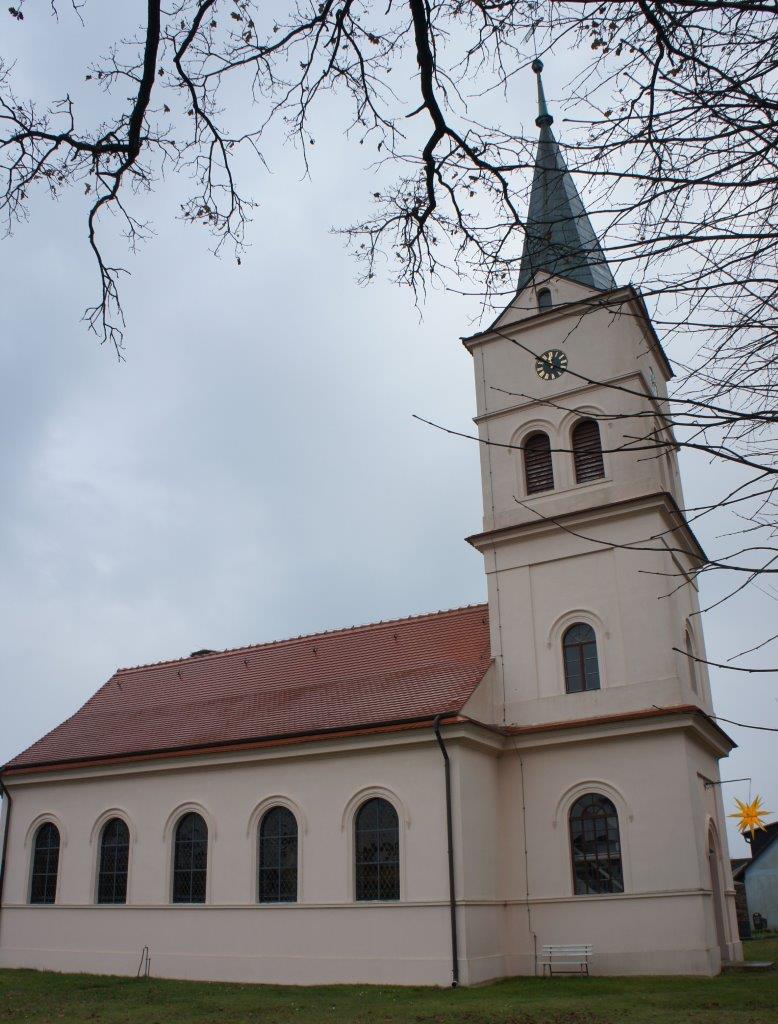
{"points": [[451, 717], [327, 633]]}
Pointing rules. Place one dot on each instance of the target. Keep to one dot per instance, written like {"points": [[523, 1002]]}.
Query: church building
{"points": [[429, 800]]}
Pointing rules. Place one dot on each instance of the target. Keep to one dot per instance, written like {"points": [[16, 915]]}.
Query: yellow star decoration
{"points": [[750, 815]]}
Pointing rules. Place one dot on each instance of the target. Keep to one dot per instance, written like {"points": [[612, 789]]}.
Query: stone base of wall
{"points": [[401, 945]]}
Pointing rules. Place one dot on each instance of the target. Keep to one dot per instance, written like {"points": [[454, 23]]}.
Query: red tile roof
{"points": [[387, 672]]}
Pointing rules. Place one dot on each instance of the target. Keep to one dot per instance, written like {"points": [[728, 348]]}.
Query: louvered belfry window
{"points": [[595, 845], [278, 856], [377, 851], [587, 452], [114, 861], [538, 468], [45, 864], [190, 859]]}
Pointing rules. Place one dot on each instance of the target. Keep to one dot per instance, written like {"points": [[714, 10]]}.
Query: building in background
{"points": [[758, 876]]}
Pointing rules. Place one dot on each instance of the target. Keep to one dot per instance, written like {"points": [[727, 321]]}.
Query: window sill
{"points": [[570, 489]]}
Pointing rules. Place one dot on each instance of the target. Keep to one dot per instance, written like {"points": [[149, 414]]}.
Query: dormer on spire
{"points": [[559, 237]]}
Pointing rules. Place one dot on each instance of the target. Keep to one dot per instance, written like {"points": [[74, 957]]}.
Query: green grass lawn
{"points": [[72, 999], [762, 949]]}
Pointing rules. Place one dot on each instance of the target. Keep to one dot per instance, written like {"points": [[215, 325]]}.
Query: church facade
{"points": [[431, 799]]}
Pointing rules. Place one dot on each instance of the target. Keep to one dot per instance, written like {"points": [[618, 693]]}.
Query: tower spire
{"points": [[559, 237]]}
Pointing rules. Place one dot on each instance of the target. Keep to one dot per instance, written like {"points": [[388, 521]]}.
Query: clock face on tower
{"points": [[551, 364]]}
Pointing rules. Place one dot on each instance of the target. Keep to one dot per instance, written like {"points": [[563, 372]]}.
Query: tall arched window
{"points": [[692, 662], [277, 837], [595, 845], [45, 864], [377, 851], [544, 299], [579, 649], [538, 468], [114, 861], [587, 451], [190, 859]]}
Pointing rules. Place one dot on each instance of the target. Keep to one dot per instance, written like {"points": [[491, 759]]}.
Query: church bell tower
{"points": [[583, 522], [598, 680]]}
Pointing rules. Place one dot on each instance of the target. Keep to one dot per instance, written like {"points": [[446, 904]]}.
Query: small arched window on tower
{"points": [[45, 864], [544, 299], [692, 662], [595, 845], [579, 649], [538, 468], [587, 451]]}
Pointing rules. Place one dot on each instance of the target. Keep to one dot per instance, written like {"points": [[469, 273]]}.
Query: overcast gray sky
{"points": [[252, 471]]}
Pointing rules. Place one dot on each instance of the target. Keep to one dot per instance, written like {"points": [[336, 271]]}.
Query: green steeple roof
{"points": [[559, 236]]}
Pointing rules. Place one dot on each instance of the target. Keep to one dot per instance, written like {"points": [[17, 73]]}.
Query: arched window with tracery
{"points": [[377, 851], [587, 451], [545, 300], [190, 859], [114, 862], [538, 467], [45, 864], [277, 859], [579, 651], [595, 845]]}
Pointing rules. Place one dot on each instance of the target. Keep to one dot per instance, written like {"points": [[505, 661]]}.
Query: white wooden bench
{"points": [[571, 959]]}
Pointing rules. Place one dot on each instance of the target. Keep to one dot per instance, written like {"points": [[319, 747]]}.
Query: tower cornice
{"points": [[597, 300], [575, 394], [685, 716], [567, 521]]}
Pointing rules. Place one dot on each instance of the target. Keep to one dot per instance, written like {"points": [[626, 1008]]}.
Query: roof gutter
{"points": [[452, 896], [215, 746]]}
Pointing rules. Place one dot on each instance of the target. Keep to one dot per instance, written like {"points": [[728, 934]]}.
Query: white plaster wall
{"points": [[525, 302], [708, 814], [612, 363], [507, 794], [632, 935], [281, 945], [327, 936], [663, 922], [480, 816], [640, 774], [615, 565], [542, 582]]}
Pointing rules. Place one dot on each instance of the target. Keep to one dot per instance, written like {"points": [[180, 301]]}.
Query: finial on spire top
{"points": [[543, 118]]}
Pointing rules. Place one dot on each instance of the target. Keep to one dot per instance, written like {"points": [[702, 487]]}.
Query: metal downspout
{"points": [[6, 796], [452, 896]]}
